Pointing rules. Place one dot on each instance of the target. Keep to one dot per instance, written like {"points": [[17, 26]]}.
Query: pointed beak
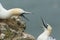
{"points": [[24, 16], [45, 25], [25, 12]]}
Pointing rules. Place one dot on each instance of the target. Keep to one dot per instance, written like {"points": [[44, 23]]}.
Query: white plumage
{"points": [[50, 38], [46, 34], [5, 14]]}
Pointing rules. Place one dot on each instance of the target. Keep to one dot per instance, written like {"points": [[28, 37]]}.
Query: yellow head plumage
{"points": [[17, 11]]}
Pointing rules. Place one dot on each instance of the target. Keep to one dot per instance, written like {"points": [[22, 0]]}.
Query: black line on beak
{"points": [[24, 17], [45, 25]]}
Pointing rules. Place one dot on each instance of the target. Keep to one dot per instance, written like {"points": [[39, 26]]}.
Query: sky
{"points": [[48, 9]]}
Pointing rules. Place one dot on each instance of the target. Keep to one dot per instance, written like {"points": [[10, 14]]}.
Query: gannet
{"points": [[47, 31], [5, 14]]}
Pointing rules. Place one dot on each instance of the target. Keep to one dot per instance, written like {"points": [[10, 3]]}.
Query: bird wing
{"points": [[51, 38], [1, 7]]}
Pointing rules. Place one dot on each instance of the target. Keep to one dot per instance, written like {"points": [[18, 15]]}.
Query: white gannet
{"points": [[5, 14], [47, 31]]}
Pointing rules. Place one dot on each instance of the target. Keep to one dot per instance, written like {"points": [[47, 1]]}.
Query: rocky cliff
{"points": [[13, 29]]}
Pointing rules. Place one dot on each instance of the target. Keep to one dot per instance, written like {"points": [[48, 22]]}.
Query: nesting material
{"points": [[13, 29], [24, 36]]}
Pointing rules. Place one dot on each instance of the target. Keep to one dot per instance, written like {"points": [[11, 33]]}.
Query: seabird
{"points": [[46, 33], [5, 14]]}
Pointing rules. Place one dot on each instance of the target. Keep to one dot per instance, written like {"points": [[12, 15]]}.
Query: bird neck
{"points": [[47, 32], [14, 12]]}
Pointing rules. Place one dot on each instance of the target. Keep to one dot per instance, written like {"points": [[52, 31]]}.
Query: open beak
{"points": [[45, 25], [24, 16]]}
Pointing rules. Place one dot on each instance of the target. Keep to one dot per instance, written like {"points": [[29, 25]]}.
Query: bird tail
{"points": [[51, 38]]}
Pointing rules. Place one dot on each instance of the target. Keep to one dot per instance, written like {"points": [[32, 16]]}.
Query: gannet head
{"points": [[49, 27], [46, 26], [18, 11]]}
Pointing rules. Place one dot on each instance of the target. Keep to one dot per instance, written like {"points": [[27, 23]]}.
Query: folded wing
{"points": [[1, 7]]}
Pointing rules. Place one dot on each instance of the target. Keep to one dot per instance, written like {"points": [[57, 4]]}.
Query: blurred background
{"points": [[48, 9]]}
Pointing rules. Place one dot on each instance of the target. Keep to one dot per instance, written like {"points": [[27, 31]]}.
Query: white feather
{"points": [[1, 7], [5, 14], [51, 38]]}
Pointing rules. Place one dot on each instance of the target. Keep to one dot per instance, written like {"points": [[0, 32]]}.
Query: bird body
{"points": [[47, 31], [44, 35], [5, 14]]}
